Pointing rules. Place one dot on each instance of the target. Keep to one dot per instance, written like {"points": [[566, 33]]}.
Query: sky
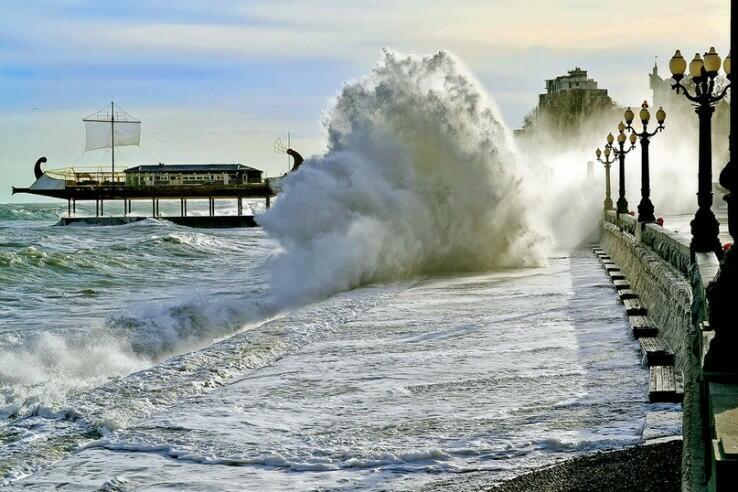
{"points": [[218, 81]]}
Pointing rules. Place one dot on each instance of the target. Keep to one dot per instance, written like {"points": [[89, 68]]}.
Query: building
{"points": [[576, 80], [192, 174], [571, 103]]}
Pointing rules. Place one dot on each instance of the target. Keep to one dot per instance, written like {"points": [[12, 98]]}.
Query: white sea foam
{"points": [[419, 177]]}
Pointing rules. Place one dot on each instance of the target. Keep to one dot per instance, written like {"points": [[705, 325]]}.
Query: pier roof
{"points": [[189, 168]]}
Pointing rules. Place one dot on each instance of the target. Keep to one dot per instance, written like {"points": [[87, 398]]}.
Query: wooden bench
{"points": [[656, 351], [642, 327], [634, 307], [621, 284], [665, 385], [627, 294]]}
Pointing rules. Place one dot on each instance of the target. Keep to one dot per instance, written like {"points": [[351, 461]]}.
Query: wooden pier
{"points": [[152, 184]]}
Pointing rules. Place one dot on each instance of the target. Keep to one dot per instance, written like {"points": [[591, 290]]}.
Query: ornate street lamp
{"points": [[645, 208], [705, 227], [620, 154], [607, 162]]}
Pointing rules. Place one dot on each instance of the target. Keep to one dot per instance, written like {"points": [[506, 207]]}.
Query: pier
{"points": [[152, 184]]}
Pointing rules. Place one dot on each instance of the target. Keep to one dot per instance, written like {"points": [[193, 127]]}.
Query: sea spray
{"points": [[419, 178]]}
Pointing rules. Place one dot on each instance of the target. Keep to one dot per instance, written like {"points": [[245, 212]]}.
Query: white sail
{"points": [[107, 128]]}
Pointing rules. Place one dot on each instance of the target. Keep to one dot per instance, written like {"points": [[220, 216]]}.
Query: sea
{"points": [[405, 316]]}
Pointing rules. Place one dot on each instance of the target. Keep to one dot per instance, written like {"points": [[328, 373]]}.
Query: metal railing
{"points": [[81, 176]]}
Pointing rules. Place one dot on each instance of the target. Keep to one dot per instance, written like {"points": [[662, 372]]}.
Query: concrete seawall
{"points": [[661, 271]]}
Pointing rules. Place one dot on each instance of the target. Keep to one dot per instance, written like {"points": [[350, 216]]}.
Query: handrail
{"points": [[82, 175]]}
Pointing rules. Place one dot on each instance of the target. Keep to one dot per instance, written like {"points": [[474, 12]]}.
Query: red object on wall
{"points": [[660, 221]]}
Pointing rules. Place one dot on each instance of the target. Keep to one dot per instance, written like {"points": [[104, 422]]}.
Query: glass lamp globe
{"points": [[610, 138], [712, 62], [633, 139], [677, 65], [598, 152], [621, 127], [629, 116], [726, 65], [695, 66], [661, 115], [644, 114], [621, 137], [607, 152]]}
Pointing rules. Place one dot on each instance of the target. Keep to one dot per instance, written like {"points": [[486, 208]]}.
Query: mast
{"points": [[112, 139]]}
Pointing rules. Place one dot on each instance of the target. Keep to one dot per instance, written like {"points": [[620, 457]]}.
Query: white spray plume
{"points": [[419, 177]]}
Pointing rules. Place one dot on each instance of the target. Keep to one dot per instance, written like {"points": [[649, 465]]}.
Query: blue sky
{"points": [[219, 80]]}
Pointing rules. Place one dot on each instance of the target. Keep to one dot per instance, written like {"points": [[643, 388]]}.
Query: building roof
{"points": [[191, 168]]}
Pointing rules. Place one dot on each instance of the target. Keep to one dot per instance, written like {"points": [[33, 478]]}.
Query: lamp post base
{"points": [[705, 231], [622, 205], [645, 211]]}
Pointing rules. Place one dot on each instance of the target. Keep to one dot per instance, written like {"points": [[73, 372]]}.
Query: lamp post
{"points": [[721, 291], [705, 227], [606, 162], [645, 208], [620, 154]]}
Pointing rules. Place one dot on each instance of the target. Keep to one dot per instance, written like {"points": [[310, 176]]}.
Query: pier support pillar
{"points": [[129, 205], [153, 207], [240, 206], [74, 206], [69, 207], [185, 207], [268, 201], [97, 207], [211, 203], [158, 213], [102, 212], [181, 207], [125, 207]]}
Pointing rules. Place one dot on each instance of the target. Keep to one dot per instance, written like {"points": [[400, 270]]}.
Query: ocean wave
{"points": [[101, 403], [420, 177], [28, 212], [584, 441]]}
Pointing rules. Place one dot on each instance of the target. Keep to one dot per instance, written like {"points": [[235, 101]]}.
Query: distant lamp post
{"points": [[645, 208], [606, 162], [705, 227], [622, 205]]}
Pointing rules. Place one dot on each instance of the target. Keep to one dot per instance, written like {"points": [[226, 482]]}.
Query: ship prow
{"points": [[45, 184]]}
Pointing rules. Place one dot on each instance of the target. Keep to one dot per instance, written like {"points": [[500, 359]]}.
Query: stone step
{"points": [[621, 284], [642, 327], [634, 307], [665, 385], [616, 275], [611, 267], [656, 351], [627, 294]]}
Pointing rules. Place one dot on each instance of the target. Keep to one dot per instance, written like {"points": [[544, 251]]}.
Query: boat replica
{"points": [[111, 128]]}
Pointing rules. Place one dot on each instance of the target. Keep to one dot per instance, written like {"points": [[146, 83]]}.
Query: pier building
{"points": [[191, 174]]}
